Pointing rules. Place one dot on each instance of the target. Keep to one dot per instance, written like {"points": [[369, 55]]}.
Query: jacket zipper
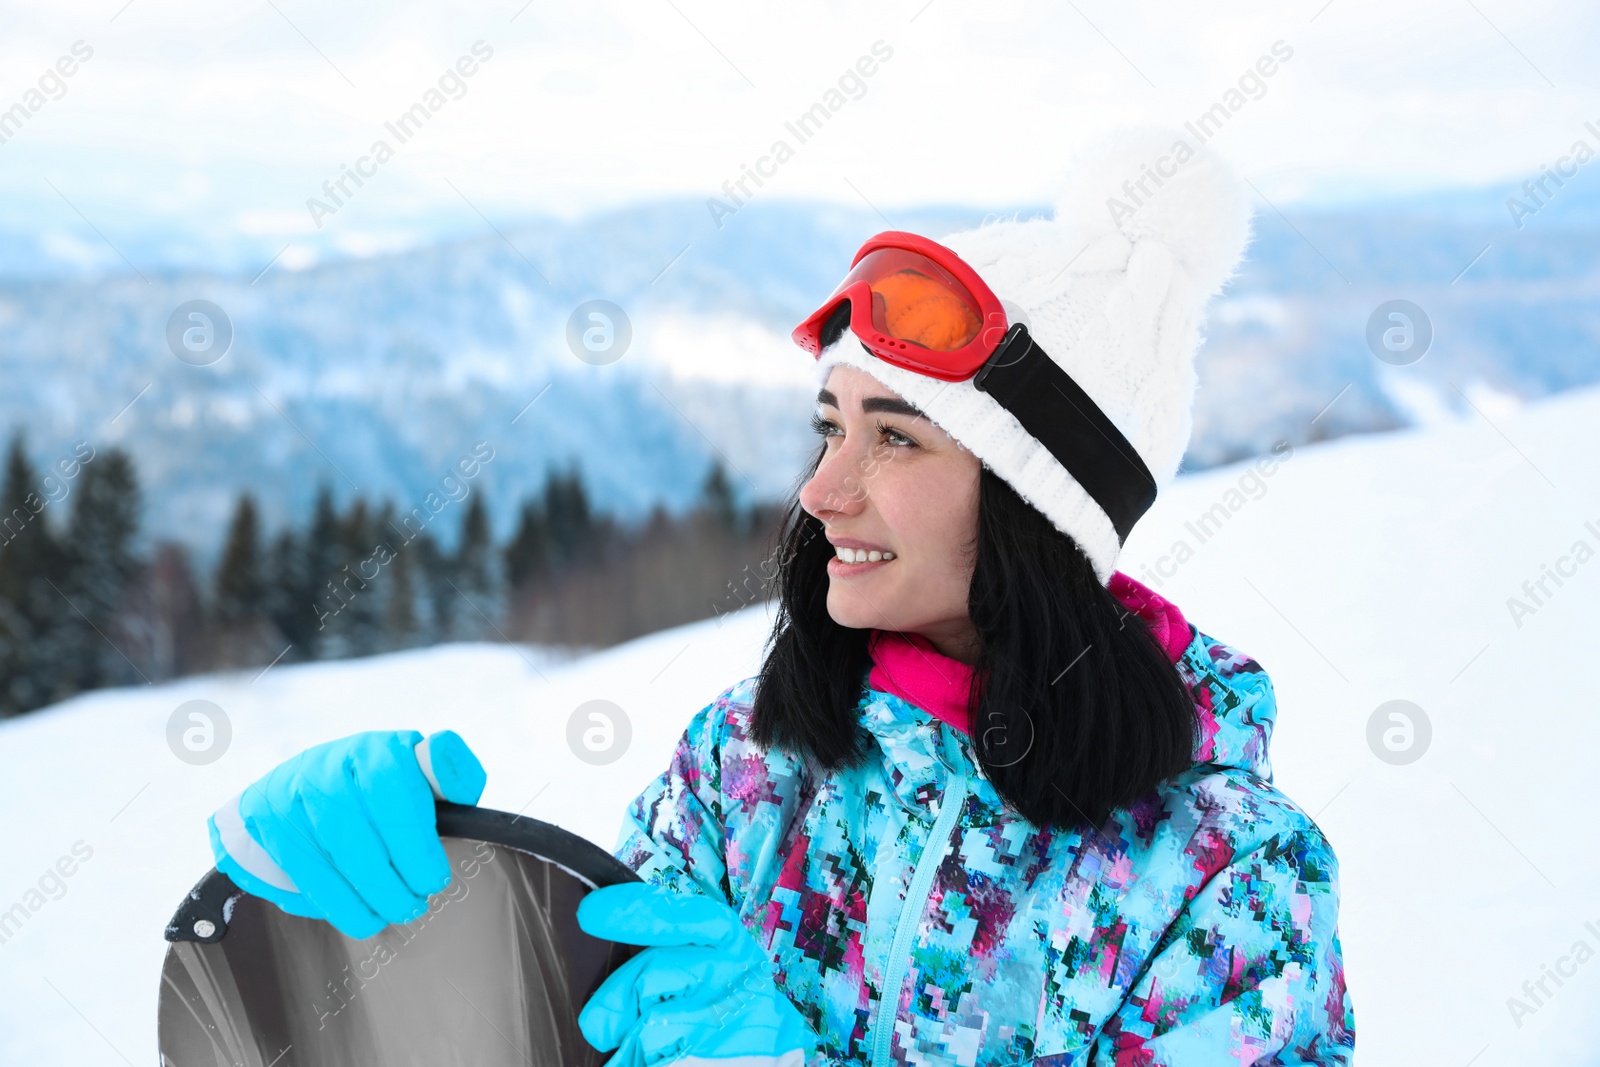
{"points": [[905, 930]]}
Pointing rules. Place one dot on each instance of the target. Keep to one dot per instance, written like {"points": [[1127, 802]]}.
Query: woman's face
{"points": [[893, 484]]}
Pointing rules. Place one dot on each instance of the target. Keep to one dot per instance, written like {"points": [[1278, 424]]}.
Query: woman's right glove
{"points": [[346, 831], [702, 994]]}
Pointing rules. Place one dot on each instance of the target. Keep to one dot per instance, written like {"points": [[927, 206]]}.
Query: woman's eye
{"points": [[894, 436], [822, 426]]}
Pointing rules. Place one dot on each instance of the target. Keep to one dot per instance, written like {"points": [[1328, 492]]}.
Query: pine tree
{"points": [[245, 633], [323, 598], [436, 571], [401, 628], [358, 577], [718, 502], [101, 564], [34, 650], [572, 527], [241, 586], [477, 573], [527, 557], [289, 596]]}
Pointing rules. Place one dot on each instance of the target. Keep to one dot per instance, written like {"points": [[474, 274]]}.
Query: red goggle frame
{"points": [[915, 304]]}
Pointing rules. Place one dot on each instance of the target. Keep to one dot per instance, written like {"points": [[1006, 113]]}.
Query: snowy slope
{"points": [[1357, 572]]}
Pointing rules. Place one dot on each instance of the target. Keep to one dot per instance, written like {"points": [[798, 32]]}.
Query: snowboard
{"points": [[494, 973]]}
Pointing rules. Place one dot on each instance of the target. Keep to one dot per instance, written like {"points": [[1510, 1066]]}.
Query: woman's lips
{"points": [[840, 569]]}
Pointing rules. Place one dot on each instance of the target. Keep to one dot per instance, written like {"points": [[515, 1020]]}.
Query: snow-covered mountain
{"points": [[376, 375], [1441, 567]]}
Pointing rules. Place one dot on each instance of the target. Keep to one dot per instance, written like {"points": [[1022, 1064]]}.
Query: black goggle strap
{"points": [[1029, 384]]}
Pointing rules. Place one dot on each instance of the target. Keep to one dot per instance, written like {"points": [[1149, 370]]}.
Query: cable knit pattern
{"points": [[1117, 302]]}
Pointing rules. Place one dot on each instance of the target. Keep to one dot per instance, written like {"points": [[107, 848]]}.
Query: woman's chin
{"points": [[849, 608]]}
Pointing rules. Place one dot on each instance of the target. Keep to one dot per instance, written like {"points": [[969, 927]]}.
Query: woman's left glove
{"points": [[701, 993], [346, 831]]}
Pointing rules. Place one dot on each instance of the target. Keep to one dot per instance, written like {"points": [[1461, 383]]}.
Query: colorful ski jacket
{"points": [[1197, 927]]}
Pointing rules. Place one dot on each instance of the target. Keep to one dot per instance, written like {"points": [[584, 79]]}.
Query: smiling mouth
{"points": [[861, 555]]}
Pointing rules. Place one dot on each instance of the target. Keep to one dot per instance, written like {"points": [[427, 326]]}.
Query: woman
{"points": [[989, 801]]}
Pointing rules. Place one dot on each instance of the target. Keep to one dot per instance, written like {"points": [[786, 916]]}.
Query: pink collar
{"points": [[908, 665]]}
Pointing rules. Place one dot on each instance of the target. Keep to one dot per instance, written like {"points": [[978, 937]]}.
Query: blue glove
{"points": [[703, 992], [345, 831]]}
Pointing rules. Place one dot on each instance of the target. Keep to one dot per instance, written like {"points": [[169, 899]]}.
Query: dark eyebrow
{"points": [[892, 405]]}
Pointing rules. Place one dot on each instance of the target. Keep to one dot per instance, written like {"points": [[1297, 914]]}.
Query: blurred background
{"points": [[453, 343]]}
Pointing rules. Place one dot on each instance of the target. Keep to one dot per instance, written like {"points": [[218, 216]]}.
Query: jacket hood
{"points": [[1235, 710]]}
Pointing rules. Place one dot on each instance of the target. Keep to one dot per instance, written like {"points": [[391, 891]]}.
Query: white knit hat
{"points": [[1113, 288]]}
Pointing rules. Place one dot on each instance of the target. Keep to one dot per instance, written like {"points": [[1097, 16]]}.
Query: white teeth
{"points": [[861, 555]]}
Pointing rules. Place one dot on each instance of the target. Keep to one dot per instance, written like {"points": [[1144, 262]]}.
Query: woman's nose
{"points": [[838, 485]]}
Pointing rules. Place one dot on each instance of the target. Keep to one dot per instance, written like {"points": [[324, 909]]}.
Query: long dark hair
{"points": [[1082, 711]]}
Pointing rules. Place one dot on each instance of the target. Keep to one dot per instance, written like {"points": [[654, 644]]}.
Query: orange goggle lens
{"points": [[914, 299]]}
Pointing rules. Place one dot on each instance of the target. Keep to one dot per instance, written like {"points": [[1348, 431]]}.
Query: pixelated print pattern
{"points": [[1197, 927]]}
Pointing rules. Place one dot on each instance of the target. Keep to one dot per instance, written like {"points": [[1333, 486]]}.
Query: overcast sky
{"points": [[229, 117]]}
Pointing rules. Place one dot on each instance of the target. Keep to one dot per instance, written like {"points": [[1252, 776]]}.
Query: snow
{"points": [[1357, 572]]}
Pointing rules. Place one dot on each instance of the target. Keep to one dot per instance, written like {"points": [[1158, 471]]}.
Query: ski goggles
{"points": [[914, 304]]}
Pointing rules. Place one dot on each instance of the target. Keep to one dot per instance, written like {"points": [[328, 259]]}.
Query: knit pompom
{"points": [[1149, 183]]}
